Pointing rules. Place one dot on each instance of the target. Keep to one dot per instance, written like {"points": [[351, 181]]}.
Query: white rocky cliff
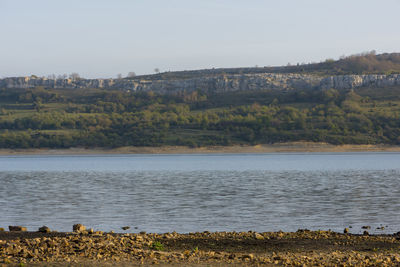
{"points": [[221, 83]]}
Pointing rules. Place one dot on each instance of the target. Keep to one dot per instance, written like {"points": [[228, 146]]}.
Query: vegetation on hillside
{"points": [[33, 118], [364, 63]]}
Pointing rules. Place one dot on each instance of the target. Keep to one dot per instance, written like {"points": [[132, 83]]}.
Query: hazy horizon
{"points": [[102, 39]]}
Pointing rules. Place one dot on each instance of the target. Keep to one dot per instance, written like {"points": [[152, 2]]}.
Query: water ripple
{"points": [[185, 201]]}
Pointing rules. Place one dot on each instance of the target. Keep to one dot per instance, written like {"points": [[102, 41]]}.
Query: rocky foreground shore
{"points": [[302, 248]]}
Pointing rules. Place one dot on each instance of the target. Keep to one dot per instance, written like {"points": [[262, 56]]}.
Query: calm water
{"points": [[188, 193]]}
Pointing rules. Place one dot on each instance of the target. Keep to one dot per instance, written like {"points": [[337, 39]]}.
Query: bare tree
{"points": [[62, 76], [157, 70], [131, 74], [119, 76], [51, 76]]}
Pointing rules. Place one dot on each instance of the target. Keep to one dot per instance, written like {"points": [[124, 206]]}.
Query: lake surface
{"points": [[214, 192]]}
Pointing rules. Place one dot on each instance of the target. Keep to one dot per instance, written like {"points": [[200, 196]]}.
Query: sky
{"points": [[102, 38]]}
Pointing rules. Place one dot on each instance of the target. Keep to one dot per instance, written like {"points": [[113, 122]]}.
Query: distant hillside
{"points": [[223, 107], [63, 118], [366, 70], [366, 63]]}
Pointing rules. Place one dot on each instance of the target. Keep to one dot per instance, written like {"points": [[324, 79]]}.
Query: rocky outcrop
{"points": [[31, 82], [219, 83], [354, 81]]}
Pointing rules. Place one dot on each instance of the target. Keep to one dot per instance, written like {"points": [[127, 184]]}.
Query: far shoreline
{"points": [[289, 147]]}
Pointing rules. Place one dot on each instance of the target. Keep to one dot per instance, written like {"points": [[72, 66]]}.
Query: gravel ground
{"points": [[301, 248]]}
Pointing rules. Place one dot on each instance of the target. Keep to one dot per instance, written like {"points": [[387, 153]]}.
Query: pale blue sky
{"points": [[101, 38]]}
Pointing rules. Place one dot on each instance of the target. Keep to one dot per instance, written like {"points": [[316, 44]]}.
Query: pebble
{"points": [[78, 227], [248, 256], [258, 236]]}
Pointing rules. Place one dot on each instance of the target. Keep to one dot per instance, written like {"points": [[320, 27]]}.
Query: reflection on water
{"points": [[183, 193]]}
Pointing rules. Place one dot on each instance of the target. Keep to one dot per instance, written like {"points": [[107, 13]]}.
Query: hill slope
{"points": [[367, 63], [357, 71], [39, 117]]}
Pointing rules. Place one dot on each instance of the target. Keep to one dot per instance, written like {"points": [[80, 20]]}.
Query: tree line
{"points": [[34, 118]]}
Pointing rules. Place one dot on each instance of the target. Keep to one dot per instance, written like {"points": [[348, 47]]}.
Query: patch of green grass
{"points": [[195, 250], [157, 246]]}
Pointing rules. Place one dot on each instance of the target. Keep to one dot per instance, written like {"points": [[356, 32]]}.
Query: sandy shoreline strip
{"points": [[292, 147]]}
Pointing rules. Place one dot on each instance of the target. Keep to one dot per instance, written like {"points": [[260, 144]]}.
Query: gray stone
{"points": [[44, 229], [78, 227], [17, 228]]}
